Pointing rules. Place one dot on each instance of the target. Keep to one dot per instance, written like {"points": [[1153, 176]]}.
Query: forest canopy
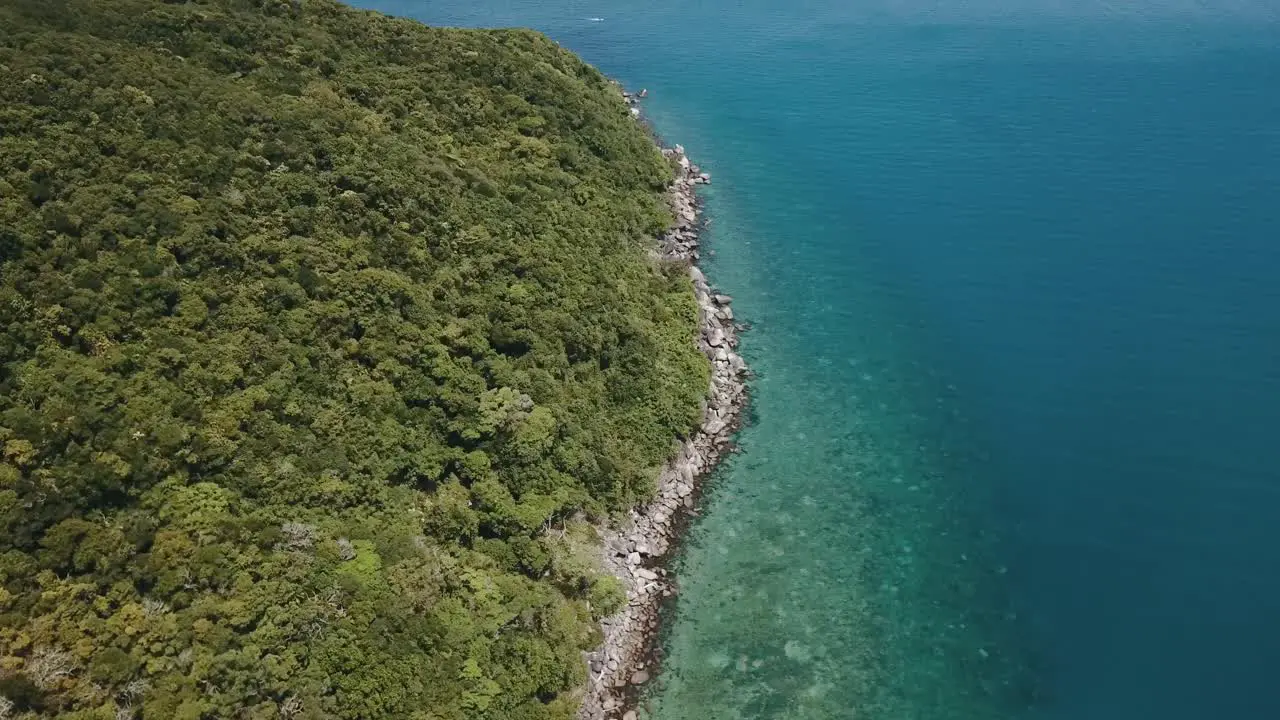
{"points": [[318, 328]]}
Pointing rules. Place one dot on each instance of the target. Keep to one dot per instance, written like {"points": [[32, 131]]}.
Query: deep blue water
{"points": [[1012, 270]]}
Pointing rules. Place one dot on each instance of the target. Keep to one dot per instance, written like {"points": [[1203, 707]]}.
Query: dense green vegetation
{"points": [[316, 329]]}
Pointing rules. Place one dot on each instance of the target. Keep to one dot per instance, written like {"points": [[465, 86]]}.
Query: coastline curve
{"points": [[634, 548]]}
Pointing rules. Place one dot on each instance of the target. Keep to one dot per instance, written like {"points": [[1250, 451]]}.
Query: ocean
{"points": [[1011, 275]]}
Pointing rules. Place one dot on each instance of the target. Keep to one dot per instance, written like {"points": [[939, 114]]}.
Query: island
{"points": [[349, 367]]}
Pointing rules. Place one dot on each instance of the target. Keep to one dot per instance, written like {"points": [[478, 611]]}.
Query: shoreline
{"points": [[634, 549]]}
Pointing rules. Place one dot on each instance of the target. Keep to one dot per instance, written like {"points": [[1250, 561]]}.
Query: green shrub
{"points": [[312, 322]]}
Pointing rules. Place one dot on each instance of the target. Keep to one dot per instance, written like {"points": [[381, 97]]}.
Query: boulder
{"points": [[686, 473], [639, 677]]}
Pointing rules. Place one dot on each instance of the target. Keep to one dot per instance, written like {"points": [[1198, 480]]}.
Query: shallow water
{"points": [[1010, 269]]}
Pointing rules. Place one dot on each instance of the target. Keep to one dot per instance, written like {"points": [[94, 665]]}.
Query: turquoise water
{"points": [[1011, 270]]}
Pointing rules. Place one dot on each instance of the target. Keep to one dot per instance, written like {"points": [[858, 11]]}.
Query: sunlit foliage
{"points": [[315, 327]]}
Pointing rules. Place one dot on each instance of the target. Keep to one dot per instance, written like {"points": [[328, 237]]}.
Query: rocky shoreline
{"points": [[634, 549]]}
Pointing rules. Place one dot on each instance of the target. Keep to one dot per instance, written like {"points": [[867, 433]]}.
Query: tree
{"points": [[311, 321]]}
